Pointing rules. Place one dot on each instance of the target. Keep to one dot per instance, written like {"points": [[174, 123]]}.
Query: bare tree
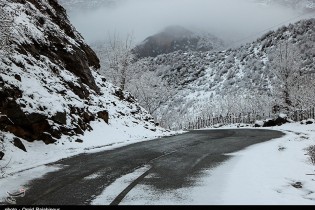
{"points": [[6, 23], [119, 58]]}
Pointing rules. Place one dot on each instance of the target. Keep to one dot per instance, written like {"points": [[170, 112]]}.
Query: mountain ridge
{"points": [[174, 38]]}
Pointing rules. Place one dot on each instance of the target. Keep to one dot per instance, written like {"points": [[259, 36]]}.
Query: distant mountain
{"points": [[174, 38]]}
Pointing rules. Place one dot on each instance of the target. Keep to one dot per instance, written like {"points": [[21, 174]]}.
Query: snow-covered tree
{"points": [[6, 23], [286, 67], [150, 90], [303, 94], [119, 58]]}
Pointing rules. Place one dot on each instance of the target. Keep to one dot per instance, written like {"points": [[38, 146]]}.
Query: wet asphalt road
{"points": [[173, 160]]}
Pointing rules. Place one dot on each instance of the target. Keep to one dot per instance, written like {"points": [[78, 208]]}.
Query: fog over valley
{"points": [[242, 20]]}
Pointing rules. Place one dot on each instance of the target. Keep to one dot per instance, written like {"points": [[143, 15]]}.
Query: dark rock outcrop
{"points": [[18, 143], [4, 122], [60, 117], [103, 115], [15, 120], [275, 122], [1, 155], [120, 94], [79, 141]]}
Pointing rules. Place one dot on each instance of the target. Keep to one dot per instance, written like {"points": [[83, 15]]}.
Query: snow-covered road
{"points": [[277, 172], [273, 172]]}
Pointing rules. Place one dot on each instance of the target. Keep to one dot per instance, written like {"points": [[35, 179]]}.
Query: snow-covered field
{"points": [[274, 172]]}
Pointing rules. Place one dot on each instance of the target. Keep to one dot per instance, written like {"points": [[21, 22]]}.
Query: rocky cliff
{"points": [[49, 85]]}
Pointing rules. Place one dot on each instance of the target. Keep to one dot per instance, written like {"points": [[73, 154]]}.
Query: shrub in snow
{"points": [[311, 153]]}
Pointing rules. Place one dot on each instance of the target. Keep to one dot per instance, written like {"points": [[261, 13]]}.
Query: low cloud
{"points": [[229, 19]]}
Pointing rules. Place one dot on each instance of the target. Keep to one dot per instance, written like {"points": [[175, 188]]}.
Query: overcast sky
{"points": [[228, 19]]}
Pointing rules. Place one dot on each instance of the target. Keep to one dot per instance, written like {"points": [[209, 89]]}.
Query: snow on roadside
{"points": [[269, 173], [24, 166], [272, 173], [102, 137], [16, 182]]}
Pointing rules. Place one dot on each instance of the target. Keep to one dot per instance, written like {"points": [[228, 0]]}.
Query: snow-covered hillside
{"points": [[303, 5], [212, 82], [51, 92]]}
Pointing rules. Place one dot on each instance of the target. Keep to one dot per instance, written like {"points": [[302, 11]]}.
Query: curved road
{"points": [[173, 159]]}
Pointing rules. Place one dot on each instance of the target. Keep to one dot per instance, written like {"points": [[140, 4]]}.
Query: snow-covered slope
{"points": [[303, 5], [50, 90], [209, 82]]}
